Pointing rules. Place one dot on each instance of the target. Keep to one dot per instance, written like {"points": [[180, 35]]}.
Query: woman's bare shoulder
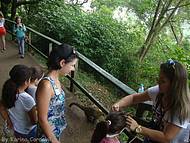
{"points": [[44, 82], [44, 86]]}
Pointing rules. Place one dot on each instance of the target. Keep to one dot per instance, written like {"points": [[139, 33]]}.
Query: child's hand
{"points": [[131, 123]]}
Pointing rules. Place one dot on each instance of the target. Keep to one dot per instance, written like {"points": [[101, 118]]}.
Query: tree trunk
{"points": [[159, 22], [14, 4], [13, 9]]}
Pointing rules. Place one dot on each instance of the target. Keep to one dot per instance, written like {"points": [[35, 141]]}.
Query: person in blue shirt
{"points": [[20, 30]]}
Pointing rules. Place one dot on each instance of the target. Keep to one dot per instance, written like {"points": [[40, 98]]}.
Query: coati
{"points": [[91, 113]]}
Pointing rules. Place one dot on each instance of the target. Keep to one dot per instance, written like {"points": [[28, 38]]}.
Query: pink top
{"points": [[110, 140]]}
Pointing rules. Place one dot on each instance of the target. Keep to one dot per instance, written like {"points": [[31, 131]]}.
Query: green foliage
{"points": [[111, 4], [183, 55], [143, 8], [111, 44]]}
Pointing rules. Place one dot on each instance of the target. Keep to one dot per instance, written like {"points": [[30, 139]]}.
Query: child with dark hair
{"points": [[108, 130], [36, 75], [51, 97], [19, 104]]}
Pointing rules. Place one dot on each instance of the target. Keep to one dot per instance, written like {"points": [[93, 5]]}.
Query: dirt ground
{"points": [[78, 129]]}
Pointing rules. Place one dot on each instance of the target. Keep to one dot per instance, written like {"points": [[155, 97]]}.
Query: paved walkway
{"points": [[78, 130]]}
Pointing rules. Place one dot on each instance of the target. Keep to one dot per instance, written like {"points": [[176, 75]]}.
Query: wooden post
{"points": [[72, 76], [71, 83], [13, 37], [29, 40], [50, 47]]}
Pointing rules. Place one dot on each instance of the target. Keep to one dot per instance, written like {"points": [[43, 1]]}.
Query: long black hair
{"points": [[115, 122], [18, 75]]}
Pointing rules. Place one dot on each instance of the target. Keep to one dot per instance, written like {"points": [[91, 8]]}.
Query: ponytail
{"points": [[19, 74], [9, 93], [99, 132]]}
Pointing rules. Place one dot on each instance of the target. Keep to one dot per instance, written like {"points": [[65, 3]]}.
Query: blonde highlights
{"points": [[179, 92]]}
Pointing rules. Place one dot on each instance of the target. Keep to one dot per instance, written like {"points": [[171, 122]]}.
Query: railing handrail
{"points": [[101, 71], [107, 75]]}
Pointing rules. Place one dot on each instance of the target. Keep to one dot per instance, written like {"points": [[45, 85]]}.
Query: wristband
{"points": [[138, 129]]}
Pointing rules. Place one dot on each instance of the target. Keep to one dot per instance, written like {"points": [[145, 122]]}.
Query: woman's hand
{"points": [[131, 123], [55, 141], [115, 107]]}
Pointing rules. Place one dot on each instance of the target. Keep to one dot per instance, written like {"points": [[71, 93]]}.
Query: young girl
{"points": [[20, 105], [20, 30], [2, 32], [171, 100], [108, 130], [36, 75], [50, 96]]}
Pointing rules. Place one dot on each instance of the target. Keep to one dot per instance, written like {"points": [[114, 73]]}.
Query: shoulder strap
{"points": [[52, 83]]}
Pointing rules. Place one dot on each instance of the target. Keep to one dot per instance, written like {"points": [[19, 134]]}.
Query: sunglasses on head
{"points": [[171, 62], [71, 55]]}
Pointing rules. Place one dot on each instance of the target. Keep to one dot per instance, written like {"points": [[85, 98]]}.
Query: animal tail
{"points": [[78, 105]]}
